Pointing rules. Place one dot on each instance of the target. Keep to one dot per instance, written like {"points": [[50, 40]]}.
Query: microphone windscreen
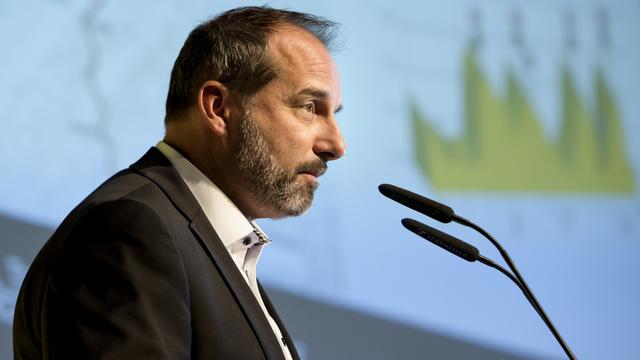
{"points": [[419, 203], [443, 240]]}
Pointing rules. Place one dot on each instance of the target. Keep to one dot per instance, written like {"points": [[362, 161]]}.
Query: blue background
{"points": [[83, 89]]}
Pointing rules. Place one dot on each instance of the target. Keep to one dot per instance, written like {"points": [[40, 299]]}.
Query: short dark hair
{"points": [[231, 48]]}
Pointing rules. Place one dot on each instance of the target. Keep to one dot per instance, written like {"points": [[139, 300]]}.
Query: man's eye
{"points": [[310, 107]]}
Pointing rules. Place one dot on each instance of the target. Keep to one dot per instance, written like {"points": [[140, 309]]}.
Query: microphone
{"points": [[451, 244], [419, 203], [445, 214]]}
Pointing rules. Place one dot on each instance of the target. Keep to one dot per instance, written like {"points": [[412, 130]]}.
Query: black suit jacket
{"points": [[136, 271]]}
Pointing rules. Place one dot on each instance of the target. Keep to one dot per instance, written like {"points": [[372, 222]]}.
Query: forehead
{"points": [[302, 60]]}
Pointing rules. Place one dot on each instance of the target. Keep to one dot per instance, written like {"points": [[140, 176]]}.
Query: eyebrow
{"points": [[321, 94]]}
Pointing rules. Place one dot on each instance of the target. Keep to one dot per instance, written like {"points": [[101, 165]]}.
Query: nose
{"points": [[330, 144]]}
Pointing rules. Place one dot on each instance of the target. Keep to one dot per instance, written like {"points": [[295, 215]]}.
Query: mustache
{"points": [[316, 167]]}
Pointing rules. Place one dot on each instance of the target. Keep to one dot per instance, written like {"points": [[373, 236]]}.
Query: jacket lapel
{"points": [[158, 169], [276, 318]]}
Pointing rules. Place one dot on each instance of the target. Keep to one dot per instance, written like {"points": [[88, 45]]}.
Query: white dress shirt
{"points": [[236, 232]]}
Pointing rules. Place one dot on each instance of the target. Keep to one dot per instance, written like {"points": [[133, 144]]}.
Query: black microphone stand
{"points": [[519, 280], [446, 214]]}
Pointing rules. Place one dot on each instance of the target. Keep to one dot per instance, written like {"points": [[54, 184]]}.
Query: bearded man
{"points": [[160, 261]]}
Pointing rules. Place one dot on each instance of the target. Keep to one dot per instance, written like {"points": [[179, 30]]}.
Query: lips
{"points": [[312, 173], [315, 169]]}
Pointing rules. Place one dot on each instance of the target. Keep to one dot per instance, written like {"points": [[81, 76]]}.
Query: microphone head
{"points": [[421, 204], [443, 240]]}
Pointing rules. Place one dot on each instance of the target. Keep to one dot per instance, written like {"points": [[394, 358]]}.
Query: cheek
{"points": [[289, 139], [293, 149]]}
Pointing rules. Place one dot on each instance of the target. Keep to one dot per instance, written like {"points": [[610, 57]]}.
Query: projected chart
{"points": [[503, 147]]}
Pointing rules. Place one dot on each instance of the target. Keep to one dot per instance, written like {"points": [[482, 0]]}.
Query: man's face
{"points": [[289, 132]]}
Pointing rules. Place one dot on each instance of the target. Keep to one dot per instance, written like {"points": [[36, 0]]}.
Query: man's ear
{"points": [[213, 103]]}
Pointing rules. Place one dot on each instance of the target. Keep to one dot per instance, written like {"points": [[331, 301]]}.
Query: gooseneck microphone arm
{"points": [[492, 264], [462, 221], [525, 288], [471, 254], [461, 249], [446, 214]]}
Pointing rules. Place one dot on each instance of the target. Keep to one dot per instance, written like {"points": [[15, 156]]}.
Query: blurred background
{"points": [[522, 116]]}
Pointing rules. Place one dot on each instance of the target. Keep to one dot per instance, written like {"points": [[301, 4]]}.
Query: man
{"points": [[159, 262]]}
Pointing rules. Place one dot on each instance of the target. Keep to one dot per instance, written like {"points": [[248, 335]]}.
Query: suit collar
{"points": [[158, 169], [230, 223]]}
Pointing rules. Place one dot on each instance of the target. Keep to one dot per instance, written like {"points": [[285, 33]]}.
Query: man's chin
{"points": [[299, 204]]}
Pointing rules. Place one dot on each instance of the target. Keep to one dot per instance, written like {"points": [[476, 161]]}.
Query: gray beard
{"points": [[272, 185]]}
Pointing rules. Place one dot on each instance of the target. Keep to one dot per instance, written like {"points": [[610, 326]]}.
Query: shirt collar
{"points": [[225, 217]]}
